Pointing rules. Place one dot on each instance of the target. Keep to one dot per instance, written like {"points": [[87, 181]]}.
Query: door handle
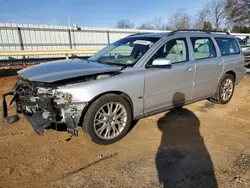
{"points": [[219, 64], [189, 69]]}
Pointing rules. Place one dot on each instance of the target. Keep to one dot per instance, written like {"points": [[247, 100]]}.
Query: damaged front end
{"points": [[43, 105]]}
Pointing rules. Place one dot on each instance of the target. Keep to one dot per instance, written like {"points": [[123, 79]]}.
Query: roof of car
{"points": [[182, 33], [156, 35]]}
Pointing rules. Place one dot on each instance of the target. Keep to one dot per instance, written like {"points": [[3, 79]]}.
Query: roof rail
{"points": [[137, 34], [199, 30]]}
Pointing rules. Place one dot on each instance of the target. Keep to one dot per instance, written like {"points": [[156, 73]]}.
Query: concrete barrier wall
{"points": [[46, 37]]}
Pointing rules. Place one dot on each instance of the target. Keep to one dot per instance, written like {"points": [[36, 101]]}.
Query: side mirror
{"points": [[161, 62]]}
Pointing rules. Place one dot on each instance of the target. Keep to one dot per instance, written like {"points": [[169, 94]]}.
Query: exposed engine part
{"points": [[46, 114], [42, 90], [44, 105], [72, 111]]}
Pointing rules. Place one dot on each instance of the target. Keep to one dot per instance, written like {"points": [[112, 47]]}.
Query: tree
{"points": [[238, 13], [169, 28], [201, 17], [240, 29], [158, 24], [146, 26], [124, 24], [180, 20], [207, 25], [216, 10]]}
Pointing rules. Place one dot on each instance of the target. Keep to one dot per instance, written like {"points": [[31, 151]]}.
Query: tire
{"points": [[219, 97], [97, 122]]}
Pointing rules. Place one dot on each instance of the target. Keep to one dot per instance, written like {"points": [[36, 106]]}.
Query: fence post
{"points": [[20, 38], [108, 36], [70, 41]]}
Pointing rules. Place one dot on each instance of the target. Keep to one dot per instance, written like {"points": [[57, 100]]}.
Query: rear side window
{"points": [[228, 46], [203, 47]]}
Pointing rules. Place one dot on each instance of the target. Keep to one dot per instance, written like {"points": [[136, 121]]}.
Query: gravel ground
{"points": [[201, 145]]}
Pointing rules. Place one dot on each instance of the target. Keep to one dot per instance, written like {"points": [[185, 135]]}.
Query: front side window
{"points": [[175, 50], [203, 47], [126, 51], [228, 46]]}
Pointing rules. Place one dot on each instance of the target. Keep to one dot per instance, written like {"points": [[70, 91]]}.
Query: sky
{"points": [[92, 13]]}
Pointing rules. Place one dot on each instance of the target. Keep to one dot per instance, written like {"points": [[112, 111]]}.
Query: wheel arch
{"points": [[232, 73], [120, 93]]}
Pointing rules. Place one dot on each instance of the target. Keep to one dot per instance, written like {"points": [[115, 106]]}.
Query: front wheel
{"points": [[108, 119], [225, 90]]}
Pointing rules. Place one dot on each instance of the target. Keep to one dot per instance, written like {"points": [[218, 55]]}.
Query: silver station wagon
{"points": [[135, 77]]}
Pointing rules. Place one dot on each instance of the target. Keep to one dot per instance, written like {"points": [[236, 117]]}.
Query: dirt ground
{"points": [[201, 145]]}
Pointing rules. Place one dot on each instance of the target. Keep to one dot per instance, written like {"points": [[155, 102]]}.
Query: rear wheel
{"points": [[108, 119], [224, 90]]}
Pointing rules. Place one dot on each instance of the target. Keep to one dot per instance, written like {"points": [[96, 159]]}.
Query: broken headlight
{"points": [[57, 96], [62, 97], [44, 91]]}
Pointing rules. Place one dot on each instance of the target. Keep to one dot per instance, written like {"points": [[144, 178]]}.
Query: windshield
{"points": [[126, 51]]}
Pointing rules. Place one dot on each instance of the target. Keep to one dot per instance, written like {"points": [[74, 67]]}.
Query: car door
{"points": [[171, 85], [209, 67]]}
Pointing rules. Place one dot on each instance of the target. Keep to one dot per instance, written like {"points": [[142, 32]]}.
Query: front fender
{"points": [[131, 83]]}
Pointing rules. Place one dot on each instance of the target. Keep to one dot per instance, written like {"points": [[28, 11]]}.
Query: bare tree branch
{"points": [[158, 23], [146, 26], [180, 20], [201, 17], [216, 11], [238, 12], [124, 24]]}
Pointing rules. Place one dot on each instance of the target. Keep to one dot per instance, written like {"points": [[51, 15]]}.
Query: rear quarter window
{"points": [[228, 46]]}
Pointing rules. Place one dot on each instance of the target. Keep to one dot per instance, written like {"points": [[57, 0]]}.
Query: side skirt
{"points": [[176, 105]]}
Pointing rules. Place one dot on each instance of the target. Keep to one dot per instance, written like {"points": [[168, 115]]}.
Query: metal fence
{"points": [[45, 37]]}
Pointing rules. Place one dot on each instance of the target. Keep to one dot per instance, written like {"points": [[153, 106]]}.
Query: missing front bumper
{"points": [[37, 120]]}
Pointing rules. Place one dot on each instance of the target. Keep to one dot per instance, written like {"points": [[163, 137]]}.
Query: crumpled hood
{"points": [[59, 70]]}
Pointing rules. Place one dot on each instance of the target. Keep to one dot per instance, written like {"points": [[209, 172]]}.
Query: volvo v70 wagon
{"points": [[134, 77]]}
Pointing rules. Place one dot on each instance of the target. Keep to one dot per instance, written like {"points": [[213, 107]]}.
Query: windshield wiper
{"points": [[124, 66], [110, 63], [103, 62]]}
